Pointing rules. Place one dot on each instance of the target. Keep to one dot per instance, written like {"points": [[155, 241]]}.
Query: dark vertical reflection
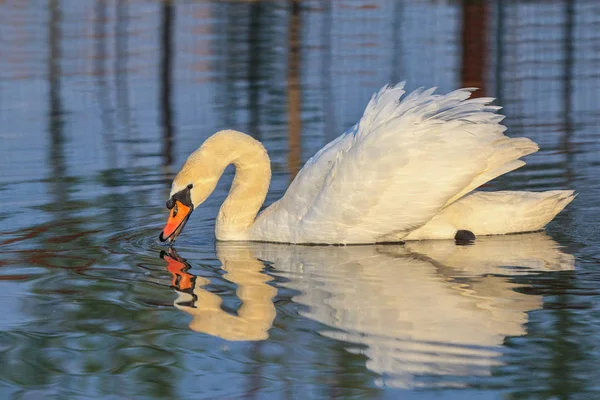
{"points": [[121, 74], [348, 374], [231, 61], [567, 82], [64, 227], [500, 26], [256, 375], [249, 64], [109, 177], [326, 74], [566, 354], [397, 51], [294, 92], [108, 128], [55, 117], [474, 45], [254, 77], [166, 78]]}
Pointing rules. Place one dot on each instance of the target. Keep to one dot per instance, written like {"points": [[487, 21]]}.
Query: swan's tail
{"points": [[495, 213], [552, 202], [513, 212]]}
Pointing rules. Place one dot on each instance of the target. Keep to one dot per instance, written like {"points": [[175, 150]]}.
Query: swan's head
{"points": [[191, 187], [201, 172], [181, 206]]}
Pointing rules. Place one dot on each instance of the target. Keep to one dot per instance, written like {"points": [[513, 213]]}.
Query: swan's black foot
{"points": [[464, 236]]}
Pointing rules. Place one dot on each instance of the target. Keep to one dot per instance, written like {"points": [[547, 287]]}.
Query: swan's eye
{"points": [[175, 210]]}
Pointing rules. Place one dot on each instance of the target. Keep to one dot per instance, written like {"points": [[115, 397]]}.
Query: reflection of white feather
{"points": [[256, 314], [407, 306], [497, 254]]}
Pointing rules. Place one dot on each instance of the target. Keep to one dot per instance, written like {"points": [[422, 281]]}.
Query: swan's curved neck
{"points": [[249, 187]]}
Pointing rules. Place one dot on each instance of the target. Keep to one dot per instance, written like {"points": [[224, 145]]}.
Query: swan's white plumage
{"points": [[406, 171], [495, 213], [401, 165]]}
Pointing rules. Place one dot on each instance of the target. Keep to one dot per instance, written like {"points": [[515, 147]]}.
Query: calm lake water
{"points": [[102, 101]]}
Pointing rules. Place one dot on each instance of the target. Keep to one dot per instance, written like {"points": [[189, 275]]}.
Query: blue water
{"points": [[102, 101]]}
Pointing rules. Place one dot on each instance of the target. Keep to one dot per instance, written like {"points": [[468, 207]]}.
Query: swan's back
{"points": [[398, 167]]}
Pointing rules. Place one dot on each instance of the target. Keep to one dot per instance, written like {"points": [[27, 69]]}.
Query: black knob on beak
{"points": [[170, 203]]}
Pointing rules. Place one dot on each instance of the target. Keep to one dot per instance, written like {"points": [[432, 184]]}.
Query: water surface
{"points": [[102, 101]]}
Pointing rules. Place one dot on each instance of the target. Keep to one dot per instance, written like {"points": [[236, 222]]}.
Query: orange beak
{"points": [[177, 218]]}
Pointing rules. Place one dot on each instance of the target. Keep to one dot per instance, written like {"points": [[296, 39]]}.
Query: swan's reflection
{"points": [[257, 312], [428, 308]]}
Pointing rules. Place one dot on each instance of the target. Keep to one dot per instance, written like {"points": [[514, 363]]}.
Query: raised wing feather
{"points": [[398, 167], [304, 189]]}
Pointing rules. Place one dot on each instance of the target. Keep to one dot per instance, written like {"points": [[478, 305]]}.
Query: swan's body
{"points": [[406, 171]]}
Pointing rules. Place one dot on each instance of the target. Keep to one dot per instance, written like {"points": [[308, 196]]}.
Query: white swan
{"points": [[406, 171]]}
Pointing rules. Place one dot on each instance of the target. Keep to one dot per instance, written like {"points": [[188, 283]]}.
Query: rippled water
{"points": [[102, 101]]}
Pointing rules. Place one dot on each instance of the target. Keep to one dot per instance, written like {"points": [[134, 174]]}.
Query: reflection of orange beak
{"points": [[177, 219], [177, 266]]}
